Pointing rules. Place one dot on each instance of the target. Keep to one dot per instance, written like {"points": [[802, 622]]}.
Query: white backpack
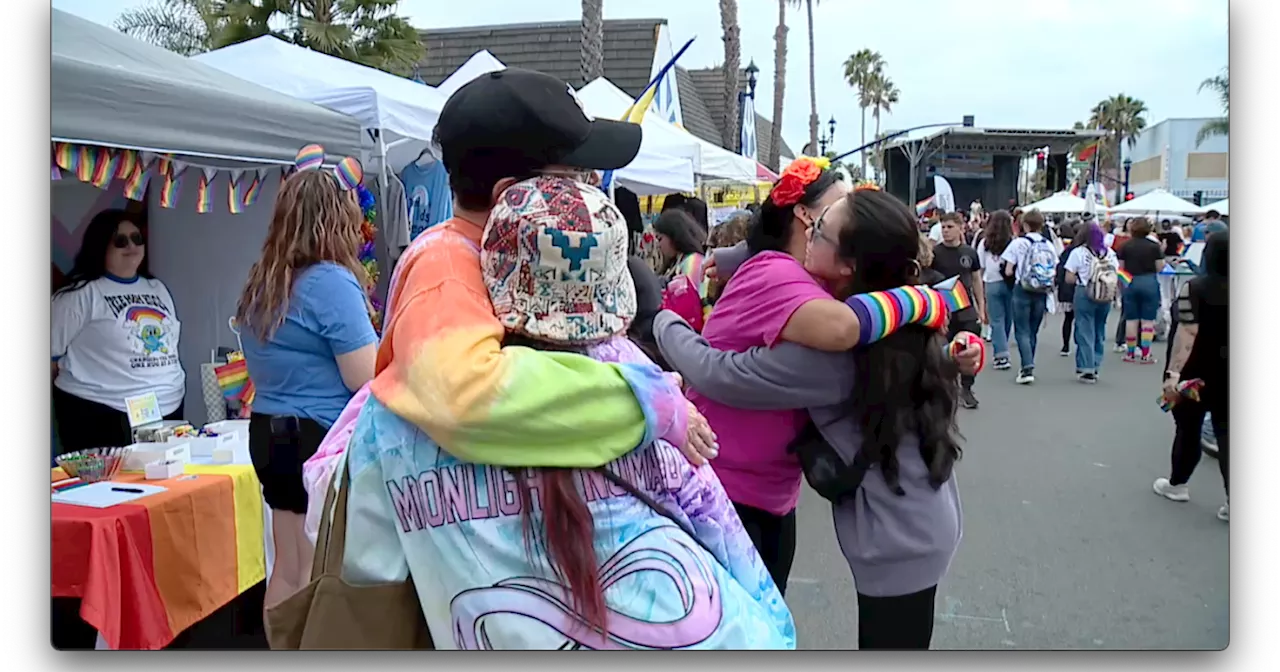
{"points": [[1038, 267], [1104, 278]]}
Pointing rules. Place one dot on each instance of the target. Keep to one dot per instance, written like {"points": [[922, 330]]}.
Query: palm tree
{"points": [[592, 40], [779, 86], [1122, 117], [732, 56], [182, 26], [1219, 84], [883, 95], [368, 32], [857, 71], [813, 79]]}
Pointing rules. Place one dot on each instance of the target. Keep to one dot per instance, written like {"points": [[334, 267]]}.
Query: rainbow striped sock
{"points": [[882, 313], [1132, 343], [1145, 337]]}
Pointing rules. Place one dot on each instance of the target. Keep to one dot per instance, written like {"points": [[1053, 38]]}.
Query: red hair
{"points": [[568, 531]]}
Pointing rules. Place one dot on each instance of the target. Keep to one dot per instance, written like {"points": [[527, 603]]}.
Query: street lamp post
{"points": [[828, 137], [1127, 163], [752, 70]]}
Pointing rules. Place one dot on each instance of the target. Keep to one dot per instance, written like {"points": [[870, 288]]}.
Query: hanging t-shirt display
{"points": [[426, 189], [115, 339]]}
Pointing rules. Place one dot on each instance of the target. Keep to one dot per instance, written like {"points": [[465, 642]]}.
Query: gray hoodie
{"points": [[895, 544]]}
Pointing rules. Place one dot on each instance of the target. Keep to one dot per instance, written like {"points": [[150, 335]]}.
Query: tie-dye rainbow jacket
{"points": [[457, 527]]}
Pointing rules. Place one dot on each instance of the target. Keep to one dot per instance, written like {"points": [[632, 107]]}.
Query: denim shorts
{"points": [[1142, 298]]}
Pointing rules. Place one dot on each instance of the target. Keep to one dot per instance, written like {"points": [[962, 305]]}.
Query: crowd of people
{"points": [[565, 440]]}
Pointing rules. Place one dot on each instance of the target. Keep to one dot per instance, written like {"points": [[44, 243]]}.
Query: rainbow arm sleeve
{"points": [[882, 313], [442, 367]]}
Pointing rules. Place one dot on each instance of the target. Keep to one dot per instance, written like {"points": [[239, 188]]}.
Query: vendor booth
{"points": [[1062, 202], [198, 156]]}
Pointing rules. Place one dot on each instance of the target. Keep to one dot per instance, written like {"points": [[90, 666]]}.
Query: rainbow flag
{"points": [[954, 294], [64, 154], [172, 184], [135, 186], [1125, 278], [255, 186], [235, 192], [204, 197], [233, 377], [1086, 153], [924, 206], [126, 160], [86, 162], [104, 169], [56, 173]]}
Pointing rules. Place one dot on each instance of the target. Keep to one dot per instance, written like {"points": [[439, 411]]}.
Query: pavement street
{"points": [[1065, 544]]}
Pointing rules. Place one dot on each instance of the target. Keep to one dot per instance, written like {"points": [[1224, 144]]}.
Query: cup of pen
{"points": [[93, 464]]}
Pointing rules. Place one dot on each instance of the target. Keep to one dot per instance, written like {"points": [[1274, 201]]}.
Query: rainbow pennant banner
{"points": [[135, 185], [204, 198], [235, 192], [105, 167], [126, 160], [56, 173], [86, 162], [255, 187], [172, 184], [64, 156]]}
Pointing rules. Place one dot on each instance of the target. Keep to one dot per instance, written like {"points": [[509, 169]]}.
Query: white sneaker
{"points": [[1025, 377], [1177, 493], [1224, 512], [1120, 348]]}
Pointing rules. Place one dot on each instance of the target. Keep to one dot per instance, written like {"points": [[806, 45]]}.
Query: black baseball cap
{"points": [[534, 116]]}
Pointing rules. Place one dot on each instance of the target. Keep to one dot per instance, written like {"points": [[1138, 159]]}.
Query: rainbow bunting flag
{"points": [[126, 159], [56, 174], [924, 206], [235, 192], [1125, 278], [105, 168], [255, 186], [135, 186], [204, 197], [86, 162], [64, 154], [172, 184], [954, 294]]}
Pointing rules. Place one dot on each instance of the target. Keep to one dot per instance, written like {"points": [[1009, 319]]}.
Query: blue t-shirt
{"points": [[296, 372], [426, 188]]}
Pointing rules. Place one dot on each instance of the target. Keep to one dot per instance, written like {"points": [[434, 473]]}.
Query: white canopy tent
{"points": [[404, 111], [1220, 206], [1062, 202], [481, 63], [1156, 202], [603, 98]]}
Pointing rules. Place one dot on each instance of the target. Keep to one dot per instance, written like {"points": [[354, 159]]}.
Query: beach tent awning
{"points": [[406, 110], [109, 89]]}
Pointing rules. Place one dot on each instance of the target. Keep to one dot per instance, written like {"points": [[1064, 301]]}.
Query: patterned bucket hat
{"points": [[554, 257]]}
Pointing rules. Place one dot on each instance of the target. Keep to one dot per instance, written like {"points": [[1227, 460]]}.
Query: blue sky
{"points": [[1011, 63]]}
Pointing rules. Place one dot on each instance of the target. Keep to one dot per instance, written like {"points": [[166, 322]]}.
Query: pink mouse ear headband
{"points": [[348, 171]]}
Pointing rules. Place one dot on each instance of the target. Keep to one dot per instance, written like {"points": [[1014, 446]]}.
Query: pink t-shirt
{"points": [[753, 464]]}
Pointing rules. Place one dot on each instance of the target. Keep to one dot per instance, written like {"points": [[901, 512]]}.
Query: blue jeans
{"points": [[1028, 313], [1091, 331], [1142, 298], [1000, 314]]}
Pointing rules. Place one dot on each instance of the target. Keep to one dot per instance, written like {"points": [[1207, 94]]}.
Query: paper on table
{"points": [[101, 495]]}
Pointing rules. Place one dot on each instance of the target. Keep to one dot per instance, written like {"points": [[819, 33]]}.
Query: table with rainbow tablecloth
{"points": [[148, 569]]}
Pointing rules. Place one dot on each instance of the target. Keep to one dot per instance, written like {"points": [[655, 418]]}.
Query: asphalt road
{"points": [[1065, 544]]}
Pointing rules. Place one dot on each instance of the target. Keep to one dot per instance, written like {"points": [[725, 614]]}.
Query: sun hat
{"points": [[554, 257]]}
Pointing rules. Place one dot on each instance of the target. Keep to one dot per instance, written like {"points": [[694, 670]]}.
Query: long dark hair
{"points": [[685, 234], [998, 232], [91, 260], [771, 225], [904, 384]]}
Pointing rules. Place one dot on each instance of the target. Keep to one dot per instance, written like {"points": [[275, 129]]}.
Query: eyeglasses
{"points": [[815, 231], [122, 241]]}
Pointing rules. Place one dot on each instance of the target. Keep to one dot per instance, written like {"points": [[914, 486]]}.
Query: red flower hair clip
{"points": [[798, 175]]}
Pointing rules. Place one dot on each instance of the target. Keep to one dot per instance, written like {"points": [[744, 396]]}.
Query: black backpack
{"points": [[827, 472]]}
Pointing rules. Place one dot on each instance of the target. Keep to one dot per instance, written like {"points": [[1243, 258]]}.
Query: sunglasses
{"points": [[122, 241]]}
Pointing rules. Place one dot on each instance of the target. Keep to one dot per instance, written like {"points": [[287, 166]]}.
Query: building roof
{"points": [[704, 122], [629, 46], [551, 47]]}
